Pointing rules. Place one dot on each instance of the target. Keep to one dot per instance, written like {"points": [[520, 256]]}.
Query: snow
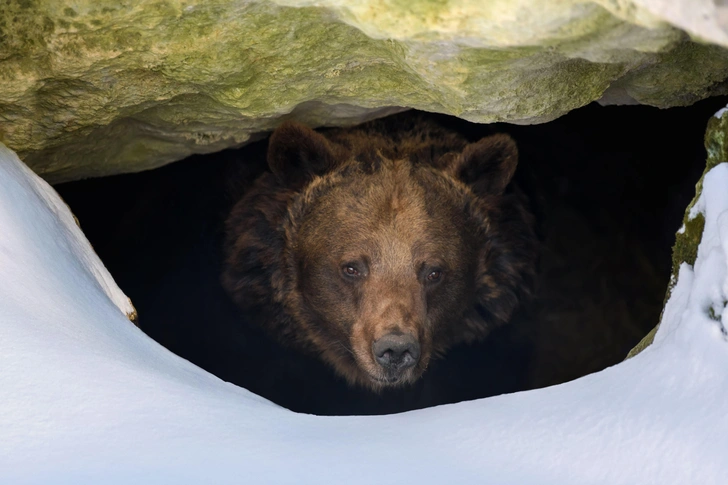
{"points": [[86, 397], [719, 113]]}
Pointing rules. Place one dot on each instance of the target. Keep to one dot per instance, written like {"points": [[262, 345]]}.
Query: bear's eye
{"points": [[350, 270], [434, 275]]}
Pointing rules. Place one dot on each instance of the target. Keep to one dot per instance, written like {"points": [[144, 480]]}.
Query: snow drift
{"points": [[86, 397]]}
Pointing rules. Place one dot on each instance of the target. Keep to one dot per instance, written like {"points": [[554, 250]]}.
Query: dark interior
{"points": [[610, 185]]}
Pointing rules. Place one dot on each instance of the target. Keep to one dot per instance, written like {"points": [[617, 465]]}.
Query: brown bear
{"points": [[379, 247]]}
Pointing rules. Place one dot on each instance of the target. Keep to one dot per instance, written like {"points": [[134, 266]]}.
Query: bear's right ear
{"points": [[296, 154], [487, 165]]}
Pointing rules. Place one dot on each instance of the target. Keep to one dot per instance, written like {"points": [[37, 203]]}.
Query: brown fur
{"points": [[397, 201]]}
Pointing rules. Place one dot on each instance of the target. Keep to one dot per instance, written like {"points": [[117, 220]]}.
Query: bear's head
{"points": [[378, 258]]}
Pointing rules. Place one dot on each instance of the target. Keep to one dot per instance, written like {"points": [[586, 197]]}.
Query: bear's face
{"points": [[378, 259], [382, 260]]}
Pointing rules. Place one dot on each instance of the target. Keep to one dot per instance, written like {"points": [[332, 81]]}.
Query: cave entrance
{"points": [[613, 183]]}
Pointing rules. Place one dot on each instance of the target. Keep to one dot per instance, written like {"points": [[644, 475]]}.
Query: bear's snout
{"points": [[396, 352]]}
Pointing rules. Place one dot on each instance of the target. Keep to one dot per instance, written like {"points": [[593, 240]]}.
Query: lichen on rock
{"points": [[103, 87]]}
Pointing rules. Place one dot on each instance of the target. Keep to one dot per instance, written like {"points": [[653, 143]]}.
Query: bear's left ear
{"points": [[488, 165], [296, 154]]}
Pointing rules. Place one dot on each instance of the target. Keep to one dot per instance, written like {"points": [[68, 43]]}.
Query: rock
{"points": [[690, 234], [98, 88], [703, 19]]}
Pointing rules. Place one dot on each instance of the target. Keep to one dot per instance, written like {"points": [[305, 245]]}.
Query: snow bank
{"points": [[85, 397]]}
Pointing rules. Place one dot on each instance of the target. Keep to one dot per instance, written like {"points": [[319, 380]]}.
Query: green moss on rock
{"points": [[101, 87], [685, 249]]}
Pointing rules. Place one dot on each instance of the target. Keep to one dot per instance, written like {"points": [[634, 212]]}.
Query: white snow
{"points": [[719, 114], [85, 397]]}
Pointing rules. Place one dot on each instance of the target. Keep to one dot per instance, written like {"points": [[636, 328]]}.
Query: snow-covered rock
{"points": [[86, 397]]}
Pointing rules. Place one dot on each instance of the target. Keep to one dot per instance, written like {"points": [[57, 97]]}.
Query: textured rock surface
{"points": [[688, 238], [703, 19], [99, 87]]}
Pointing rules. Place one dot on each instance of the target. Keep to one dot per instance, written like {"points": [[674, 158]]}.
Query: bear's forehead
{"points": [[390, 211], [394, 196]]}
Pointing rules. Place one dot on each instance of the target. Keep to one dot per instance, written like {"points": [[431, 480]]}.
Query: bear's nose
{"points": [[396, 352]]}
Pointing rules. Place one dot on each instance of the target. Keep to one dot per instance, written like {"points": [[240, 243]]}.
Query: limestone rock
{"points": [[99, 87]]}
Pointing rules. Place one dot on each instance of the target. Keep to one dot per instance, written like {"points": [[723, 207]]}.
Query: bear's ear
{"points": [[296, 154], [488, 165]]}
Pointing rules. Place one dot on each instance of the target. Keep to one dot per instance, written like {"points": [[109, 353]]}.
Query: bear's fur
{"points": [[391, 230]]}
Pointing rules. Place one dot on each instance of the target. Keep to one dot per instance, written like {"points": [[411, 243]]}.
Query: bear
{"points": [[379, 247]]}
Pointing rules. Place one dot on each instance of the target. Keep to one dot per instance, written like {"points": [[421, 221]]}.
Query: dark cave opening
{"points": [[612, 185]]}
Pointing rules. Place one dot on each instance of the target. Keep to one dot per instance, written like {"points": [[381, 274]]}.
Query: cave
{"points": [[609, 184]]}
